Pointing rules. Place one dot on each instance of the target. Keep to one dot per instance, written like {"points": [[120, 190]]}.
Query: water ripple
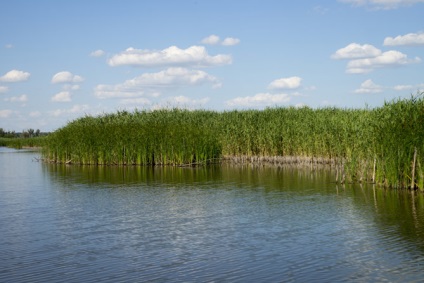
{"points": [[56, 229]]}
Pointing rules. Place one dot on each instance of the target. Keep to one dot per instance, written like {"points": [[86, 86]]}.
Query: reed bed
{"points": [[382, 145], [163, 137]]}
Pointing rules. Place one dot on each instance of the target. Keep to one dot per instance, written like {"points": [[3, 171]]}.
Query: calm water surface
{"points": [[63, 223]]}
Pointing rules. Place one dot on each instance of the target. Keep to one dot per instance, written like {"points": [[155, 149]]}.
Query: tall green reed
{"points": [[365, 145]]}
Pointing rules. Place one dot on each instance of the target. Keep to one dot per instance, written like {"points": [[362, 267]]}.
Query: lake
{"points": [[70, 223]]}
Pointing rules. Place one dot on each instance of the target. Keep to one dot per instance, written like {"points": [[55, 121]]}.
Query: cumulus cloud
{"points": [[195, 56], [5, 113], [97, 53], [153, 83], [369, 86], [365, 58], [3, 89], [355, 51], [403, 87], [408, 87], [410, 39], [382, 4], [214, 40], [260, 99], [63, 96], [22, 98], [66, 77], [285, 83], [8, 46], [230, 41], [387, 59], [15, 76]]}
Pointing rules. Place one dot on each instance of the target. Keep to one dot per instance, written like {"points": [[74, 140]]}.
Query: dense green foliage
{"points": [[29, 133], [373, 145], [19, 143], [158, 138], [27, 138]]}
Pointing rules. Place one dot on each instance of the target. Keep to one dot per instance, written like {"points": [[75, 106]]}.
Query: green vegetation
{"points": [[164, 137], [382, 145], [19, 142], [28, 138]]}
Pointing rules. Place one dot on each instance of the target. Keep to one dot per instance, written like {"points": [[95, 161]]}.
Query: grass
{"points": [[382, 145], [19, 143]]}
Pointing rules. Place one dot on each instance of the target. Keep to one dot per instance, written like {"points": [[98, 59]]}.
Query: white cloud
{"points": [[5, 113], [411, 39], [369, 86], [402, 87], [386, 59], [22, 98], [260, 99], [66, 77], [63, 96], [382, 4], [408, 87], [356, 51], [15, 76], [3, 89], [152, 83], [285, 83], [212, 40], [172, 56], [76, 109], [230, 41], [8, 46], [97, 53], [123, 90]]}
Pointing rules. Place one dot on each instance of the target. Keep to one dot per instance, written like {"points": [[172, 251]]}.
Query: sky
{"points": [[60, 60]]}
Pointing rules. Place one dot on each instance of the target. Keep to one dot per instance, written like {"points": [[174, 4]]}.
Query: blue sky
{"points": [[60, 60]]}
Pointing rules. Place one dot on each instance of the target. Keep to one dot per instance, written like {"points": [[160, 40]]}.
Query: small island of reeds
{"points": [[382, 145]]}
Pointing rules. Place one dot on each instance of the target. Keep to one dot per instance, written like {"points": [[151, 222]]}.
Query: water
{"points": [[63, 223]]}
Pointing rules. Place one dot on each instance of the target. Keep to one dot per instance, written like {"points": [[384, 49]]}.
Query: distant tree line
{"points": [[29, 133]]}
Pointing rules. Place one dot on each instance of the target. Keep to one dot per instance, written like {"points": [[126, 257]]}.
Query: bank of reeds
{"points": [[163, 137], [383, 145]]}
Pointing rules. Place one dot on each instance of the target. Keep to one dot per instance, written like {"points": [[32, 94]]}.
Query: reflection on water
{"points": [[218, 223]]}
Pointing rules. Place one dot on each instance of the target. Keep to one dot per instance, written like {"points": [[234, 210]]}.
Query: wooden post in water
{"points": [[373, 171], [413, 169], [337, 173]]}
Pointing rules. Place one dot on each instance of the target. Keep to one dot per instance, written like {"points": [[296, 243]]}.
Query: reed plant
{"points": [[162, 137], [383, 145]]}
